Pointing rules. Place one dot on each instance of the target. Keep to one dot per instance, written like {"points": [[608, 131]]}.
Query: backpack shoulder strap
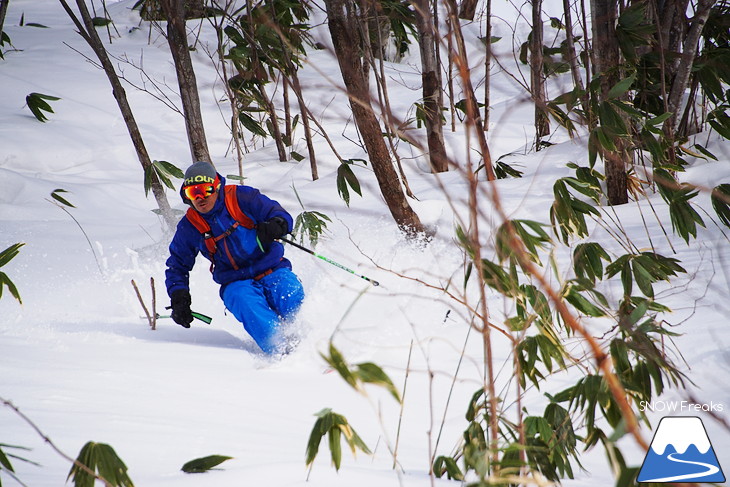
{"points": [[235, 210], [202, 226]]}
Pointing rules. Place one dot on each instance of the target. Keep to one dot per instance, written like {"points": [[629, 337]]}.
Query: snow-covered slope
{"points": [[78, 360]]}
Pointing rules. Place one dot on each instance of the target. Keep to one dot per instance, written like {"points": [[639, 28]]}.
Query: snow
{"points": [[78, 360]]}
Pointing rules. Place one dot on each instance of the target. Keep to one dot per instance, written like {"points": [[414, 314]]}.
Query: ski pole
{"points": [[329, 261], [205, 319]]}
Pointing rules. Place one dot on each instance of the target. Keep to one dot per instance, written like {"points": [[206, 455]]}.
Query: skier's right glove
{"points": [[270, 230], [181, 313]]}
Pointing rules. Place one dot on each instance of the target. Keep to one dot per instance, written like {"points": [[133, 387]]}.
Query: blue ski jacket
{"points": [[239, 256]]}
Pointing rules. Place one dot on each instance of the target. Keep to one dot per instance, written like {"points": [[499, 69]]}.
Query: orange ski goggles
{"points": [[202, 190]]}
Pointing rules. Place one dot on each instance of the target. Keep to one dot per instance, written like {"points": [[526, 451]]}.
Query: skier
{"points": [[236, 228]]}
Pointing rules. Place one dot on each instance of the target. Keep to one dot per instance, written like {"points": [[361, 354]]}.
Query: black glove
{"points": [[270, 230], [180, 304]]}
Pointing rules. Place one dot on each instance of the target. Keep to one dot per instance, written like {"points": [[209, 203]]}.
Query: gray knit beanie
{"points": [[200, 172]]}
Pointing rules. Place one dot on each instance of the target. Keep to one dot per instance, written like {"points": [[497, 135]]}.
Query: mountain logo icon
{"points": [[681, 452]]}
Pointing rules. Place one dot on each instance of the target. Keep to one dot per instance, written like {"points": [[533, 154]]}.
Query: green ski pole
{"points": [[205, 319], [329, 261]]}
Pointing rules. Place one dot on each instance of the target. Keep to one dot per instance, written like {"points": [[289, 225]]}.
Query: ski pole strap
{"points": [[329, 261]]}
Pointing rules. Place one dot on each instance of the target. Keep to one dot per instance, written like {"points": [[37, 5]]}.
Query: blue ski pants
{"points": [[263, 305]]}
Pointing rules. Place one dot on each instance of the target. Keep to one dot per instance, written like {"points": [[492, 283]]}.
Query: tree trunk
{"points": [[686, 61], [387, 113], [432, 100], [357, 88], [468, 9], [587, 58], [672, 26], [450, 73], [152, 10], [474, 117], [537, 78], [230, 92], [274, 120], [606, 61], [88, 32], [287, 112], [178, 41], [573, 56], [488, 66], [305, 121]]}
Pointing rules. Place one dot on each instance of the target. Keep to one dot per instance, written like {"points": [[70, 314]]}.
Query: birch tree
{"points": [[353, 75], [432, 94], [87, 30], [178, 41]]}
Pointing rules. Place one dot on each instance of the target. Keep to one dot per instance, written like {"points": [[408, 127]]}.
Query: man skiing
{"points": [[236, 228]]}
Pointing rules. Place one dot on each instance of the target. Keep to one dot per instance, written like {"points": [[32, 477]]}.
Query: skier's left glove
{"points": [[270, 230], [180, 304]]}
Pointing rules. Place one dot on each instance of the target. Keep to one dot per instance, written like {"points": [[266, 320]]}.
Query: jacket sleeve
{"points": [[184, 248], [260, 207]]}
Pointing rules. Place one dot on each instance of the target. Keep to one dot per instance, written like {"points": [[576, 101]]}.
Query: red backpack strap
{"points": [[235, 210], [202, 226]]}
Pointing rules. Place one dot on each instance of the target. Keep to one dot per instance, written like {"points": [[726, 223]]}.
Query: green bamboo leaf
{"points": [[5, 281], [604, 139], [684, 218], [250, 124], [658, 120], [613, 124], [165, 171], [356, 442], [149, 173], [581, 303], [101, 21], [10, 253], [315, 438], [373, 374], [627, 108], [169, 169], [56, 196], [497, 278], [643, 279], [447, 465], [588, 261], [102, 459], [200, 465], [346, 177], [626, 278], [343, 191], [4, 462], [637, 313], [531, 233], [37, 105], [334, 426], [335, 437], [721, 128], [705, 152], [721, 202], [337, 362], [621, 87]]}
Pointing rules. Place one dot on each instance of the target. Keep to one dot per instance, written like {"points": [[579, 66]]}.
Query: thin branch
{"points": [[144, 307], [46, 439]]}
